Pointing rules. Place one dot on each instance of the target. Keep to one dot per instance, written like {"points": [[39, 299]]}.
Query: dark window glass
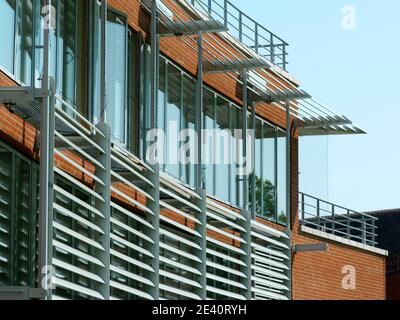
{"points": [[116, 75], [18, 219], [282, 179]]}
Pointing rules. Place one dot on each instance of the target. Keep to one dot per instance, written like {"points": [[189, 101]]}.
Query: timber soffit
{"points": [[224, 53]]}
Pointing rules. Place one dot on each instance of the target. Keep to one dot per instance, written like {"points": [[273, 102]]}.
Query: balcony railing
{"points": [[246, 30], [336, 220]]}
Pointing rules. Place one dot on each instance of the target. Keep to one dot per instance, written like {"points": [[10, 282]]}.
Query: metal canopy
{"points": [[330, 130], [314, 119], [173, 29], [323, 122], [235, 65], [270, 96]]}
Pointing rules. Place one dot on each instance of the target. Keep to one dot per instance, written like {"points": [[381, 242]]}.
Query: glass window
{"points": [[282, 179], [236, 186], [18, 219], [189, 101], [268, 171], [222, 150], [24, 41], [209, 140], [173, 116], [116, 75], [7, 23], [133, 92]]}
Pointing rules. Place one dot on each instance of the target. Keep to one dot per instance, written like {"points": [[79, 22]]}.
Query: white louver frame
{"points": [[270, 254], [224, 251], [107, 249], [80, 223], [180, 247], [132, 244]]}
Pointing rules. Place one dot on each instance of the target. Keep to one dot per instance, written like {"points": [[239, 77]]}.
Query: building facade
{"points": [[86, 214]]}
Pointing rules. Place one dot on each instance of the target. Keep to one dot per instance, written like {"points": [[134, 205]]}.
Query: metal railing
{"points": [[339, 221], [246, 30]]}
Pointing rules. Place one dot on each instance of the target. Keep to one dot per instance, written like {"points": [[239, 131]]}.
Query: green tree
{"points": [[265, 198]]}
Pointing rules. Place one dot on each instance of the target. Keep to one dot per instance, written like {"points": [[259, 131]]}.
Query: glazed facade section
{"points": [[119, 227]]}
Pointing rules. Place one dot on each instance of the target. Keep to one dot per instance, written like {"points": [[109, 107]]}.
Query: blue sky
{"points": [[355, 73]]}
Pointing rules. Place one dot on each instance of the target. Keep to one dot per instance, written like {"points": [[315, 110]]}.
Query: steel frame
{"points": [[258, 243]]}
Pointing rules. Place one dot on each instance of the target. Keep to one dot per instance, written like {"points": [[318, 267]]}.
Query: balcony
{"points": [[246, 30], [336, 220]]}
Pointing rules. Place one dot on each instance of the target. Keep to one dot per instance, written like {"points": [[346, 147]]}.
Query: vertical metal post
{"points": [[303, 208], [226, 13], [210, 7], [202, 227], [348, 225], [272, 48], [289, 197], [373, 236], [103, 14], [240, 26], [256, 36], [47, 126], [253, 174], [104, 207], [363, 229], [246, 224], [284, 56], [318, 216], [333, 220], [155, 177]]}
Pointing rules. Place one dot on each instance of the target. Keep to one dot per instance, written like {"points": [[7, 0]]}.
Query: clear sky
{"points": [[356, 73]]}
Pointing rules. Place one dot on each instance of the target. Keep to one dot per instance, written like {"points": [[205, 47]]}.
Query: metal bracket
{"points": [[235, 65], [21, 95], [172, 29], [317, 247]]}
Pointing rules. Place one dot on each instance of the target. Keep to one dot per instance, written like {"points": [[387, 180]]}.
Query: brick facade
{"points": [[315, 275]]}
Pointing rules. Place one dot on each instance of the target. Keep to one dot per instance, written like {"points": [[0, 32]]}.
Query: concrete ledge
{"points": [[342, 240]]}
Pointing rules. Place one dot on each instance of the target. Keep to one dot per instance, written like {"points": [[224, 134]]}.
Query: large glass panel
{"points": [[7, 27], [282, 179], [24, 41], [39, 42], [189, 100], [94, 59], [116, 76], [222, 150], [5, 215], [268, 170], [66, 51], [208, 156], [173, 118], [236, 186], [162, 101], [258, 167], [133, 93], [145, 94]]}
